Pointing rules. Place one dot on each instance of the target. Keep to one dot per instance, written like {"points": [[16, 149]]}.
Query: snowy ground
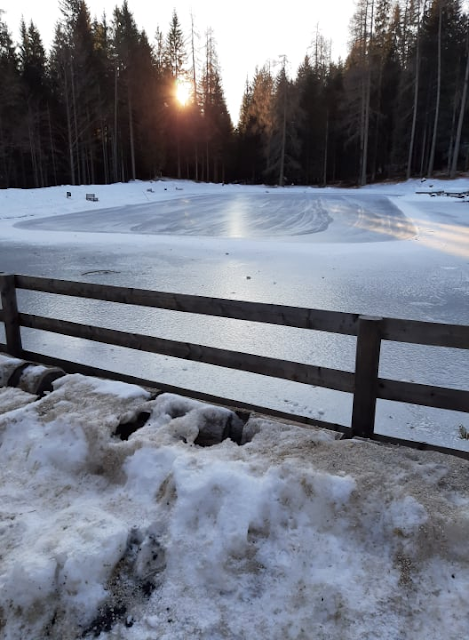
{"points": [[276, 532], [291, 534], [382, 250]]}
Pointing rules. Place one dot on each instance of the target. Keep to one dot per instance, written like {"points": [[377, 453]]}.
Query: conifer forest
{"points": [[108, 102]]}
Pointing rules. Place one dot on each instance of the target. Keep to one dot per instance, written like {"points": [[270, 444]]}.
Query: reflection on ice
{"points": [[449, 238], [277, 215], [235, 212], [326, 249]]}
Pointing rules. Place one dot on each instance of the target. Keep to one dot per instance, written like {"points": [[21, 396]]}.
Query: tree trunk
{"points": [[194, 89], [115, 138], [452, 129], [75, 124], [32, 150], [42, 164], [462, 110], [424, 148], [52, 149], [378, 127], [366, 128], [326, 144], [284, 131], [416, 99], [366, 97], [131, 135], [196, 161], [69, 131], [438, 95]]}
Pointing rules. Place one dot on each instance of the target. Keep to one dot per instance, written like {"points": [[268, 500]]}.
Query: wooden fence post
{"points": [[366, 376], [10, 315]]}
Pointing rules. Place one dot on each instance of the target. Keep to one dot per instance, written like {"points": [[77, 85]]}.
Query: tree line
{"points": [[106, 103]]}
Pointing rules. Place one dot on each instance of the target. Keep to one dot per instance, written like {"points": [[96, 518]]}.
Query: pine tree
{"points": [[175, 59], [246, 143], [76, 82], [105, 133], [284, 147], [38, 146], [9, 112], [175, 51], [216, 120], [357, 85], [125, 41], [443, 44], [256, 125], [312, 116], [416, 19], [336, 164], [462, 112]]}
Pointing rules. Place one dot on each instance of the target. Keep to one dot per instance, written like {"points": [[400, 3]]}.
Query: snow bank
{"points": [[293, 534]]}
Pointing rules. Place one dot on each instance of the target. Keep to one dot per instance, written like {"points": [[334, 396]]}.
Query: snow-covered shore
{"points": [[252, 243], [281, 533], [292, 534]]}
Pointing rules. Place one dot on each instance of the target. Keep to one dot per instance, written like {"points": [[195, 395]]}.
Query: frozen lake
{"points": [[377, 251], [312, 218]]}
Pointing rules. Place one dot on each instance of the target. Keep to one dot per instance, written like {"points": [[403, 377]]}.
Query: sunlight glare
{"points": [[183, 92]]}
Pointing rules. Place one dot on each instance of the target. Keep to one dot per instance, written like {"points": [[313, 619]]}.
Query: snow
{"points": [[383, 250], [269, 531], [7, 367], [294, 534], [12, 398]]}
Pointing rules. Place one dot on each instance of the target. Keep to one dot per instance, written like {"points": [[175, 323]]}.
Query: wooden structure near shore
{"points": [[364, 383]]}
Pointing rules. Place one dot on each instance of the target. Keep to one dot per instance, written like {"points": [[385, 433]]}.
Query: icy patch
{"points": [[339, 216]]}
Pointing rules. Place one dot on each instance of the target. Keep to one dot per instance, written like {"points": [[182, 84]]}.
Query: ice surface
{"points": [[353, 265], [354, 217]]}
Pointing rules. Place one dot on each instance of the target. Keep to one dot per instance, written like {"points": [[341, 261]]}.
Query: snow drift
{"points": [[290, 534]]}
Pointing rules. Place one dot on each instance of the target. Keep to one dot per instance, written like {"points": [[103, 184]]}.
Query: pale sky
{"points": [[247, 33]]}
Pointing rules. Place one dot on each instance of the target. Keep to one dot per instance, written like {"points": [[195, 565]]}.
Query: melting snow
{"points": [[293, 534]]}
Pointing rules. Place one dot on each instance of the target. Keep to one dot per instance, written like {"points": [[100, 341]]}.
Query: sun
{"points": [[183, 91]]}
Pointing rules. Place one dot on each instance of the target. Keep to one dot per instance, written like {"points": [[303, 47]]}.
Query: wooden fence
{"points": [[365, 384]]}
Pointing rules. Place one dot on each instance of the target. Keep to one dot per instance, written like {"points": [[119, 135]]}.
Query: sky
{"points": [[247, 35]]}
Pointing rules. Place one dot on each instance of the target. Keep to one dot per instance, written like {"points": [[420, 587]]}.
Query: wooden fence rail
{"points": [[365, 384]]}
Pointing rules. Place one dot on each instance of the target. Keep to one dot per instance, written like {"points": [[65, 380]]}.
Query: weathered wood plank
{"points": [[400, 330], [396, 329], [297, 372], [75, 367], [10, 314], [319, 320], [366, 376], [421, 446], [425, 395], [427, 333]]}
